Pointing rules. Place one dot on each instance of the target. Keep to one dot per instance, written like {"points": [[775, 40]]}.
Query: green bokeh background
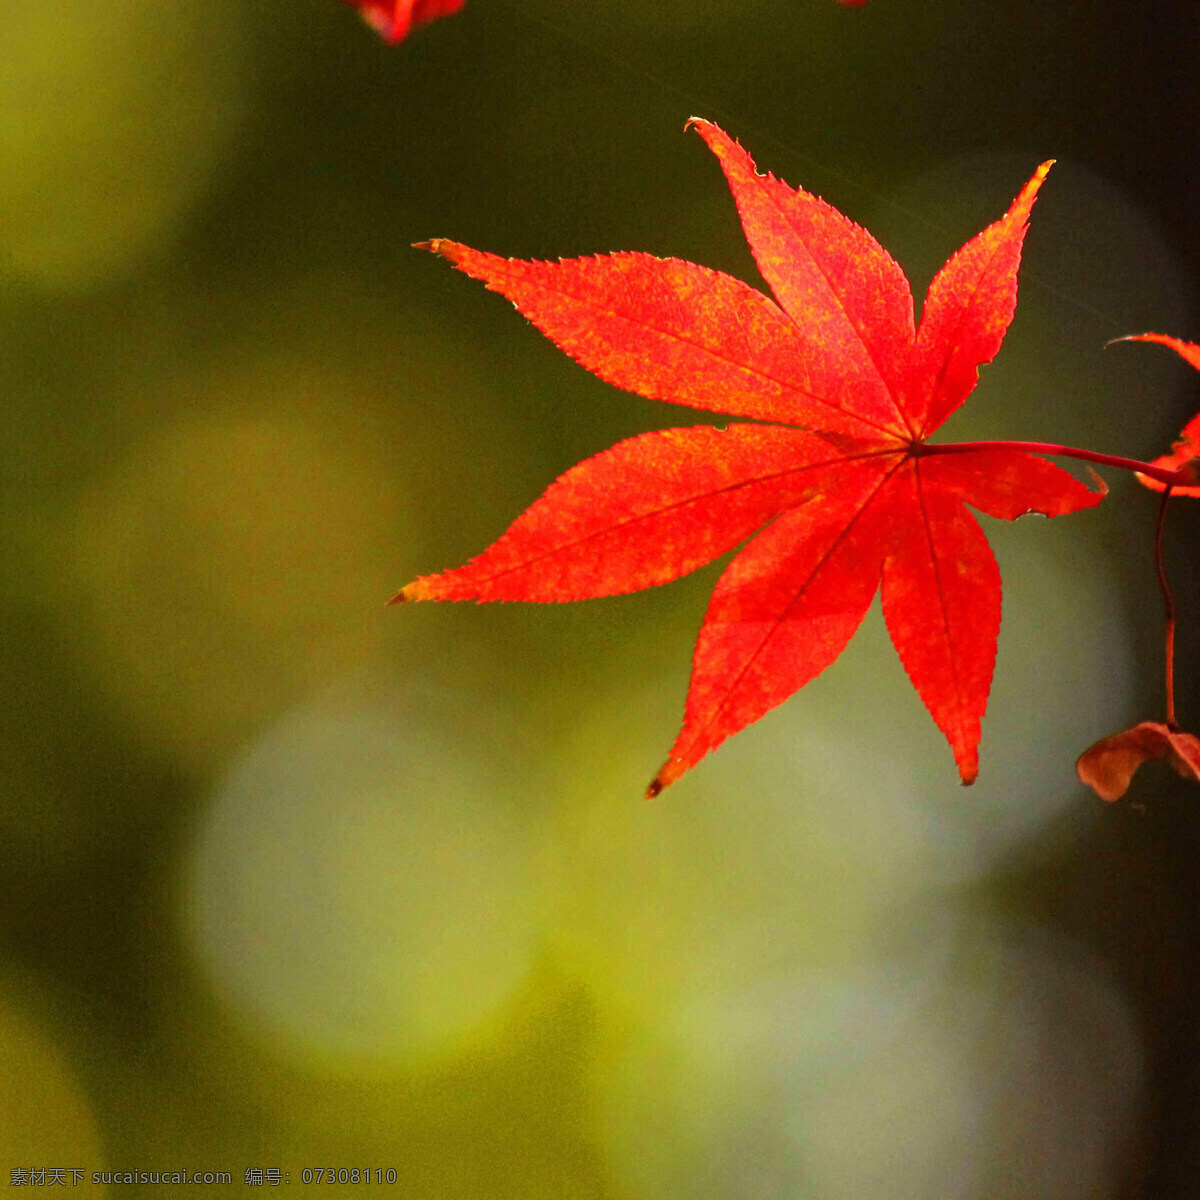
{"points": [[290, 880]]}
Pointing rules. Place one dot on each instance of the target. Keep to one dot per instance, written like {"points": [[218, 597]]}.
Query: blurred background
{"points": [[289, 880]]}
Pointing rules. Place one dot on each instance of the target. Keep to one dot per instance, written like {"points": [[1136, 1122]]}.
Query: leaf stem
{"points": [[1168, 604], [1162, 474]]}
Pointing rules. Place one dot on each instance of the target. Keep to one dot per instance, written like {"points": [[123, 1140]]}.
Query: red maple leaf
{"points": [[396, 19], [850, 498], [1187, 448]]}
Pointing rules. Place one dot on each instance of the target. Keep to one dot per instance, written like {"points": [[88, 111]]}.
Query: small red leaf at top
{"points": [[850, 500], [1109, 765], [396, 19], [1185, 451]]}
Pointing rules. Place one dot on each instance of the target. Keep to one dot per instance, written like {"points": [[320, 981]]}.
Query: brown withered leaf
{"points": [[1109, 765]]}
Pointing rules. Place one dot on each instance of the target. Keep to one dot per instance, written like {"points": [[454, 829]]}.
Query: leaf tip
{"points": [[442, 246], [966, 758], [1188, 351], [416, 590], [1039, 176], [1024, 202], [1162, 338], [1101, 489], [667, 774], [717, 140]]}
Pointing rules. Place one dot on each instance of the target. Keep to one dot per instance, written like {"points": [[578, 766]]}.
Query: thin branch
{"points": [[1163, 474], [1168, 605]]}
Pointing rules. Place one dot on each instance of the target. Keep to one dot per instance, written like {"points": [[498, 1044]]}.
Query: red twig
{"points": [[1162, 474], [1168, 605]]}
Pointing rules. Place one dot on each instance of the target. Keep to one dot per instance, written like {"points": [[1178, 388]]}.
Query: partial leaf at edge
{"points": [[396, 19], [1109, 766], [1187, 447], [1188, 351]]}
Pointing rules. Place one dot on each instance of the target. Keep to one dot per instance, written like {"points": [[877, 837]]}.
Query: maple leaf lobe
{"points": [[671, 330], [646, 511], [966, 313], [842, 289]]}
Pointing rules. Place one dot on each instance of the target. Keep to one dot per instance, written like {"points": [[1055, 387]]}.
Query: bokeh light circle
{"points": [[1020, 1076], [112, 123], [359, 891], [802, 839], [233, 561]]}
